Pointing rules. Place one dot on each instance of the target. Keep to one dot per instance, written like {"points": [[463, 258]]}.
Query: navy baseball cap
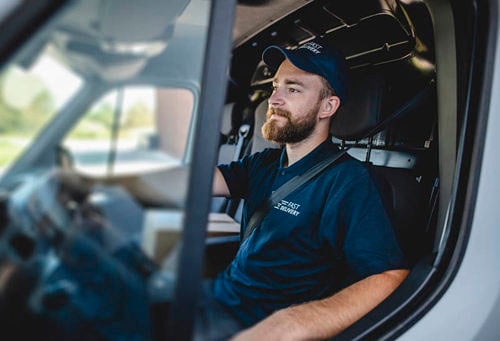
{"points": [[316, 56]]}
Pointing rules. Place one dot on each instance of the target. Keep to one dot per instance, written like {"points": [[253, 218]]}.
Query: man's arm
{"points": [[328, 317], [219, 185]]}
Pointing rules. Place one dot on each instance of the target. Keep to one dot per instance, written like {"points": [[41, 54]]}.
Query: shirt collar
{"points": [[318, 154]]}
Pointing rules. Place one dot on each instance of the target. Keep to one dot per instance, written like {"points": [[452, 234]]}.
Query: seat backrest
{"points": [[226, 150], [403, 191], [404, 198]]}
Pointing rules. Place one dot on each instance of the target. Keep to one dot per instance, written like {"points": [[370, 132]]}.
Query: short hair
{"points": [[326, 90]]}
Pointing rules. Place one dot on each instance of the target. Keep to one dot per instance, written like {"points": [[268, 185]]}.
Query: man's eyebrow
{"points": [[290, 81]]}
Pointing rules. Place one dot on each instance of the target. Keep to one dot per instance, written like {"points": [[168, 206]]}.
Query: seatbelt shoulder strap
{"points": [[288, 187]]}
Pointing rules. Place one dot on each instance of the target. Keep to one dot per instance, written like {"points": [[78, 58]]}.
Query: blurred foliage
{"points": [[19, 124], [97, 122], [101, 114], [9, 150], [139, 115], [20, 120]]}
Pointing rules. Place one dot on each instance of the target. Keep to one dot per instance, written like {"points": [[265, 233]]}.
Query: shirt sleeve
{"points": [[242, 174], [370, 245], [236, 175]]}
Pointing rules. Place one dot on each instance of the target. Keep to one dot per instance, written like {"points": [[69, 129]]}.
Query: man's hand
{"points": [[323, 319]]}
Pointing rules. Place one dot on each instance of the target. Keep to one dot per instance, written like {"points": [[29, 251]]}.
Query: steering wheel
{"points": [[89, 274]]}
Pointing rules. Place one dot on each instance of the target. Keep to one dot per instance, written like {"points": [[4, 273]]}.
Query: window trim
{"points": [[216, 64]]}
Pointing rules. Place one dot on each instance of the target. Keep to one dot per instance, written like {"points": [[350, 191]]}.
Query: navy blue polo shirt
{"points": [[327, 234]]}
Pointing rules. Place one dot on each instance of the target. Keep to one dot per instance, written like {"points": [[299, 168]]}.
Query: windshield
{"points": [[96, 121]]}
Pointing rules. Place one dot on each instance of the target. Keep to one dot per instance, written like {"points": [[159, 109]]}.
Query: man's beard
{"points": [[293, 131]]}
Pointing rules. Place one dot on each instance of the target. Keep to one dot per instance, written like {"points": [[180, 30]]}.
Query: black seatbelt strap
{"points": [[403, 110], [287, 188]]}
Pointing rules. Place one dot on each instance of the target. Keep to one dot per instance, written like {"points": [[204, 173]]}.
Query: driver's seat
{"points": [[397, 170]]}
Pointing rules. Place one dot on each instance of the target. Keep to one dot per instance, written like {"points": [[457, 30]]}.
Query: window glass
{"points": [[96, 120], [29, 98]]}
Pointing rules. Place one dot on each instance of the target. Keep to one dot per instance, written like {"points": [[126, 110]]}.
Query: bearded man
{"points": [[326, 254]]}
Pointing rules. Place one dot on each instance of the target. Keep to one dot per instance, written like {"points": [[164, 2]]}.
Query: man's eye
{"points": [[292, 90]]}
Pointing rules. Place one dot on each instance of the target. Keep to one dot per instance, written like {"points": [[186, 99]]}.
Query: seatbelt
{"points": [[242, 135], [287, 188], [407, 107]]}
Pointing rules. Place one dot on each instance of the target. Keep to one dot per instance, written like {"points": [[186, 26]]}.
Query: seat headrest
{"points": [[362, 111]]}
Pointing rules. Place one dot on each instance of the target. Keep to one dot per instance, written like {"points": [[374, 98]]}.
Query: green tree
{"points": [[14, 120], [38, 112], [102, 114], [10, 119], [94, 124], [139, 115]]}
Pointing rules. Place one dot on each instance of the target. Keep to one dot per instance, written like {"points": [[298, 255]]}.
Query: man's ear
{"points": [[329, 106]]}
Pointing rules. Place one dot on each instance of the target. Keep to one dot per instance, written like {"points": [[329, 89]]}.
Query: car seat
{"points": [[401, 172]]}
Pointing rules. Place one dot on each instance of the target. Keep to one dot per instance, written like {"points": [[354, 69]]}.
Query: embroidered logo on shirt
{"points": [[288, 207]]}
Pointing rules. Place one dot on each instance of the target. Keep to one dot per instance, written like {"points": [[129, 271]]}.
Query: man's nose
{"points": [[276, 98]]}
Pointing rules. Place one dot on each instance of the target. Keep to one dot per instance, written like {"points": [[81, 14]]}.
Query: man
{"points": [[288, 279]]}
